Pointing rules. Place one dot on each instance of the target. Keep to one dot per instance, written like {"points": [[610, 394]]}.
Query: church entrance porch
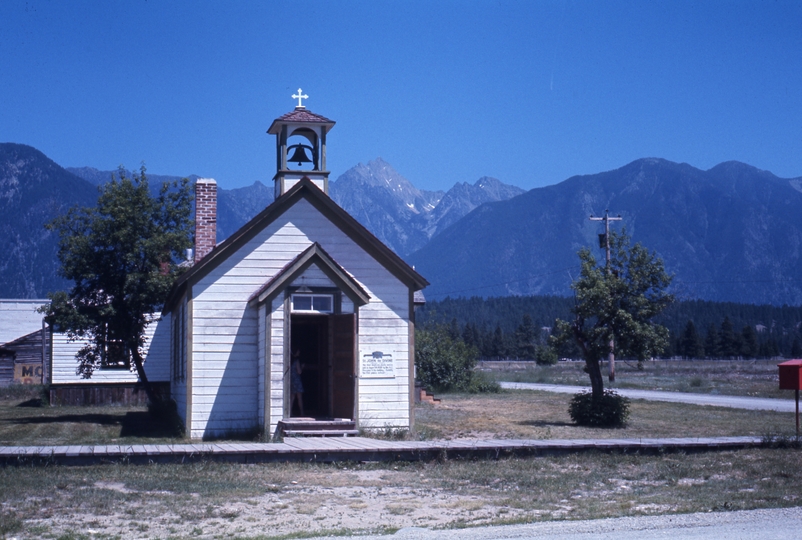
{"points": [[325, 347]]}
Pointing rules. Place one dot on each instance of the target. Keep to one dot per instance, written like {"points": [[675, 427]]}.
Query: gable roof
{"points": [[27, 341], [306, 190], [301, 116], [314, 254]]}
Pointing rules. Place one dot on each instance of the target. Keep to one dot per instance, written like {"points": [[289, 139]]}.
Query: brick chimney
{"points": [[205, 217]]}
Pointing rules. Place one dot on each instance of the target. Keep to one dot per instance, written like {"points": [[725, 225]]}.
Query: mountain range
{"points": [[402, 216], [730, 233], [34, 190]]}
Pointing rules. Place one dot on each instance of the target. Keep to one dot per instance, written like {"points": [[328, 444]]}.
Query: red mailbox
{"points": [[791, 375], [791, 379]]}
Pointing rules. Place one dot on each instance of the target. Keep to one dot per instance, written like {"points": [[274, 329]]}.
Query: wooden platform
{"points": [[354, 449]]}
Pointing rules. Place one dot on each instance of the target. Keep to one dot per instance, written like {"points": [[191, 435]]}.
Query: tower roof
{"points": [[300, 115]]}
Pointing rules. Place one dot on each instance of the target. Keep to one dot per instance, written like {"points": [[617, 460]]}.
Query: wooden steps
{"points": [[426, 397], [310, 427]]}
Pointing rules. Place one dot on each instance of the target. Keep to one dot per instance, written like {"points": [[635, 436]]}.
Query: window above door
{"points": [[312, 303]]}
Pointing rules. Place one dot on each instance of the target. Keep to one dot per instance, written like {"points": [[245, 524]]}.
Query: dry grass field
{"points": [[218, 500], [544, 415], [736, 377]]}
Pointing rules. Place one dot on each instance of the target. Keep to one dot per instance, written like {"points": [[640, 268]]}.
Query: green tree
{"points": [[617, 303], [498, 347], [121, 258], [453, 330], [729, 344], [712, 342], [691, 345], [749, 347], [796, 348], [769, 349], [526, 338]]}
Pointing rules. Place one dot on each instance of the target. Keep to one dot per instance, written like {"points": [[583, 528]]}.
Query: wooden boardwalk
{"points": [[354, 449]]}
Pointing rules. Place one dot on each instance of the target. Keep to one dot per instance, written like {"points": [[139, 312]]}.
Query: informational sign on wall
{"points": [[376, 365], [28, 373]]}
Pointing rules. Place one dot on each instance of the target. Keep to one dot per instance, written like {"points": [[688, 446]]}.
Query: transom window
{"points": [[313, 303]]}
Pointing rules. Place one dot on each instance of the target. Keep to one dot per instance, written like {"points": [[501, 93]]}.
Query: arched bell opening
{"points": [[303, 150]]}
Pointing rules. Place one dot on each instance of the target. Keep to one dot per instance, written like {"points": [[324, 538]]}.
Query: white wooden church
{"points": [[304, 277]]}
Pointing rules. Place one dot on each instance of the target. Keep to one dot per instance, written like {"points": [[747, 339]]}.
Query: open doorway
{"points": [[326, 347]]}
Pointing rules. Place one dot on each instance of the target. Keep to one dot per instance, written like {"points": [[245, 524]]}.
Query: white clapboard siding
{"points": [[277, 369], [178, 384], [19, 318], [313, 277], [236, 348], [156, 353], [262, 366]]}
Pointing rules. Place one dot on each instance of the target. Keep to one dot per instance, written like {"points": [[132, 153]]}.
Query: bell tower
{"points": [[300, 147]]}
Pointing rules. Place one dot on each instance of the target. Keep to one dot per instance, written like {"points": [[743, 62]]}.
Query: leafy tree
{"points": [[121, 257], [617, 303]]}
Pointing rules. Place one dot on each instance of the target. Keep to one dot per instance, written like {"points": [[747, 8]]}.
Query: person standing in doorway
{"points": [[296, 384]]}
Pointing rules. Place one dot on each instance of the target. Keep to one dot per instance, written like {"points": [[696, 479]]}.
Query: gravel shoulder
{"points": [[735, 402], [779, 523]]}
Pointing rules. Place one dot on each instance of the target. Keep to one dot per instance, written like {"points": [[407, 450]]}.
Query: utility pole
{"points": [[606, 238]]}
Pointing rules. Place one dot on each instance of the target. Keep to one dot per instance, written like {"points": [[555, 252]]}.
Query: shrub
{"points": [[546, 356], [480, 384], [443, 363], [19, 392], [611, 410]]}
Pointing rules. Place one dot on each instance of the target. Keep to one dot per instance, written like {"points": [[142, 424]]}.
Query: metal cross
{"points": [[299, 97]]}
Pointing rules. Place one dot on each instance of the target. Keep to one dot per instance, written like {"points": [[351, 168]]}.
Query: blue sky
{"points": [[528, 92]]}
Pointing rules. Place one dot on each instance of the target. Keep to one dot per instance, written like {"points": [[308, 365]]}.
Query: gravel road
{"points": [[735, 402], [769, 524]]}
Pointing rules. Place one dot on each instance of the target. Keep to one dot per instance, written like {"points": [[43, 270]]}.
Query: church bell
{"points": [[299, 154]]}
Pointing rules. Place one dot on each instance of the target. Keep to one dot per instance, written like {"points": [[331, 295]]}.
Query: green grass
{"points": [[737, 378], [27, 419]]}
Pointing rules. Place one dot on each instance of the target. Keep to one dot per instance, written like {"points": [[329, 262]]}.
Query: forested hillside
{"points": [[732, 233], [507, 326]]}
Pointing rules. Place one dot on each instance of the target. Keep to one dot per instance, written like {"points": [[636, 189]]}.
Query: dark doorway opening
{"points": [[326, 345]]}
